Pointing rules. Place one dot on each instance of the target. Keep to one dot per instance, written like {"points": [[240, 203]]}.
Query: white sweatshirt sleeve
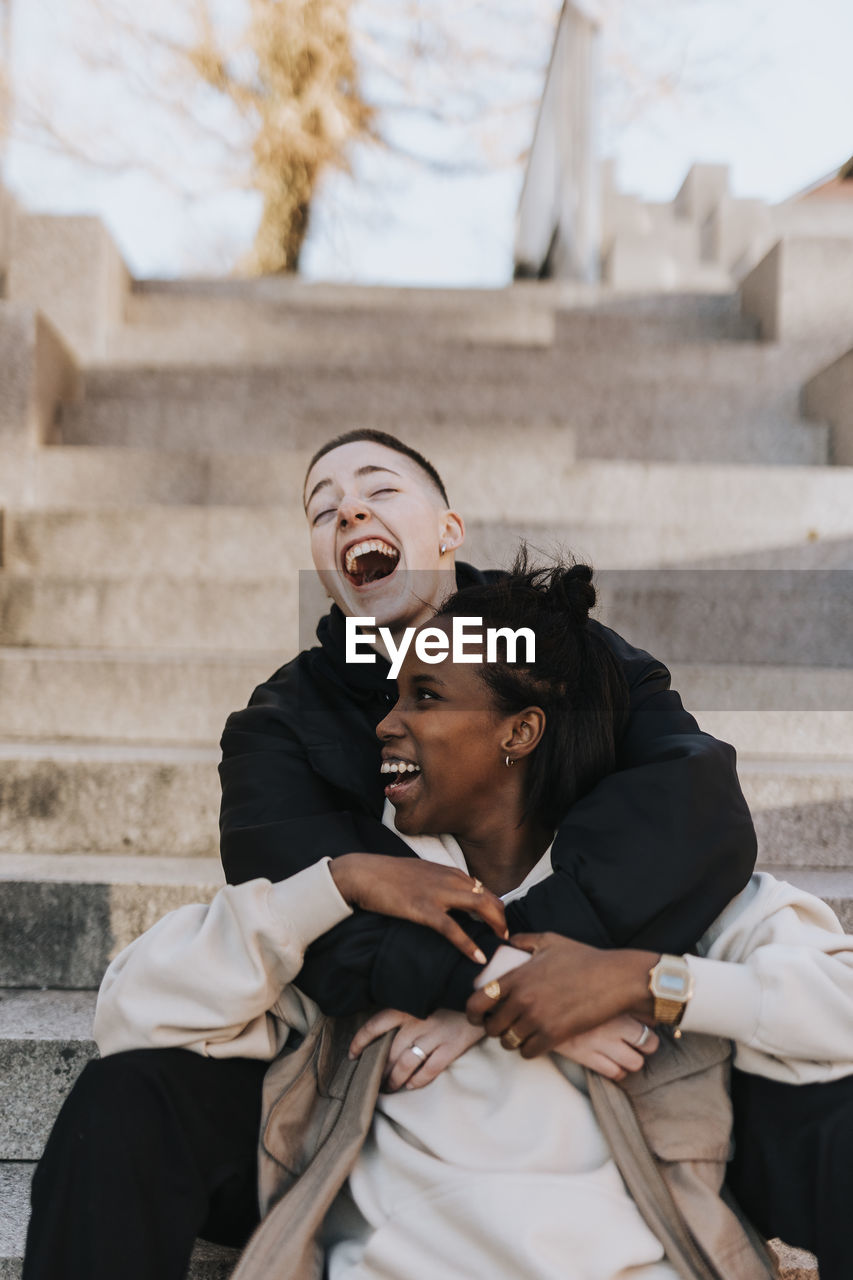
{"points": [[214, 978], [775, 974]]}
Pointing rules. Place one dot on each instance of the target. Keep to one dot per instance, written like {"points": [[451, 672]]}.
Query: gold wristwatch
{"points": [[671, 985]]}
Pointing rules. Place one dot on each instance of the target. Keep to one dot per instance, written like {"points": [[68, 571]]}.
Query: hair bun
{"points": [[574, 592]]}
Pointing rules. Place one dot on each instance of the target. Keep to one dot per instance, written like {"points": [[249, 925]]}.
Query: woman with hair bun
{"points": [[503, 1166]]}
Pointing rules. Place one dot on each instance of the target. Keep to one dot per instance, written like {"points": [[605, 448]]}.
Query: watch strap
{"points": [[669, 1012]]}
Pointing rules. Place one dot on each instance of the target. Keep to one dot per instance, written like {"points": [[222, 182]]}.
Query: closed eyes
{"points": [[330, 511]]}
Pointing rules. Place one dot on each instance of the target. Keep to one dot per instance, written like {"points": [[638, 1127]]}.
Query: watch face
{"points": [[671, 979], [670, 985]]}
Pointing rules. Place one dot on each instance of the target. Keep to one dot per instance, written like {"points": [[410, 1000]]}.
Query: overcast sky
{"points": [[769, 90]]}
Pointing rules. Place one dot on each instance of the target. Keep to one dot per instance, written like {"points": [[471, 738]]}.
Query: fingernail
{"points": [[479, 957], [506, 935]]}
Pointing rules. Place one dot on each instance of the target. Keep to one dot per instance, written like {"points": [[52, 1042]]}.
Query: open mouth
{"points": [[369, 561], [403, 774]]}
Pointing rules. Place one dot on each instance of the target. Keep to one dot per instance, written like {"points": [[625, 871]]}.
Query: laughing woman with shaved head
{"points": [[648, 857]]}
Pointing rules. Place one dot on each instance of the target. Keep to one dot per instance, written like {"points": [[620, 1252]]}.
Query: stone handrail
{"points": [[558, 219]]}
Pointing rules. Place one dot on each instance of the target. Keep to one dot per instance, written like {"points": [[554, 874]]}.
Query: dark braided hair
{"points": [[575, 677]]}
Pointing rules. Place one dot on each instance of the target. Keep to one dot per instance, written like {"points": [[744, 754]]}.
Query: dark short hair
{"points": [[575, 678], [389, 442]]}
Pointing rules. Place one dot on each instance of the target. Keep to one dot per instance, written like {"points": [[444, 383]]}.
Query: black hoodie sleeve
{"points": [[649, 858]]}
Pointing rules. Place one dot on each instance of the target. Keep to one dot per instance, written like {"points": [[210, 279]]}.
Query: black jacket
{"points": [[649, 858]]}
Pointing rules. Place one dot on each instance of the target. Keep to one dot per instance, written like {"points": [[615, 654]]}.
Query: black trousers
{"points": [[793, 1168], [151, 1149]]}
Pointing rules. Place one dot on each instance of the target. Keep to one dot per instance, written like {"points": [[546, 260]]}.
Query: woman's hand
{"points": [[613, 1049], [424, 892], [566, 988], [441, 1038]]}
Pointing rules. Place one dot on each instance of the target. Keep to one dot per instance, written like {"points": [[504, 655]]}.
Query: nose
{"points": [[391, 726], [351, 510]]}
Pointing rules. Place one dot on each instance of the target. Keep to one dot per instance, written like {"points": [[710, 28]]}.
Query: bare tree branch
{"points": [[268, 95]]}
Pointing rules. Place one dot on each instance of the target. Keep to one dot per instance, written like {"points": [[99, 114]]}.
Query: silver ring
{"points": [[419, 1053], [646, 1032]]}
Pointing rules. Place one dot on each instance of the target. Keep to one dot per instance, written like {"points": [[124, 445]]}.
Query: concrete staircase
{"points": [[153, 439]]}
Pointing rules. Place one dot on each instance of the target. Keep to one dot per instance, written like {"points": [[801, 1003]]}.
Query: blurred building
{"points": [[574, 223]]}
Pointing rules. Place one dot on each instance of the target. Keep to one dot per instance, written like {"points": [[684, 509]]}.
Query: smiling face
{"points": [[377, 524], [443, 750]]}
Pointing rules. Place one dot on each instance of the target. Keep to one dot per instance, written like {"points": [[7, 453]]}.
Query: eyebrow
{"points": [[362, 471], [428, 676]]}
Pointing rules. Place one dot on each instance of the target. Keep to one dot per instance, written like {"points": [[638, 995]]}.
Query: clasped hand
{"points": [[563, 991], [423, 892], [588, 1004]]}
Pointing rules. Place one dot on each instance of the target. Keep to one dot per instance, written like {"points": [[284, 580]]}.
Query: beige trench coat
{"points": [[668, 1127]]}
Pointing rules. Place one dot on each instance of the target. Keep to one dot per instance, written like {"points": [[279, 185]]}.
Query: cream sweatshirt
{"points": [[774, 974], [498, 1168]]}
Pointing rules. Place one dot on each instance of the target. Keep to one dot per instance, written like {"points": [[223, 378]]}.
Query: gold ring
{"points": [[493, 990], [511, 1040], [477, 887]]}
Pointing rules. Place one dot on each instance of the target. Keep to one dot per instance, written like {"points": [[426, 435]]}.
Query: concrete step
{"points": [[38, 373], [93, 798], [168, 329], [233, 542], [783, 735], [204, 615], [209, 1261], [245, 410], [766, 617], [103, 798], [735, 616], [697, 316], [172, 698], [66, 916], [803, 813], [213, 1262], [98, 694], [765, 689], [83, 475], [45, 1041], [666, 540], [587, 347], [775, 506], [779, 713], [192, 542], [191, 299], [181, 304]]}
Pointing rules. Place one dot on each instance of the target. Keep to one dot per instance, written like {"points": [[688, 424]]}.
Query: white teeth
{"points": [[362, 548], [399, 766]]}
